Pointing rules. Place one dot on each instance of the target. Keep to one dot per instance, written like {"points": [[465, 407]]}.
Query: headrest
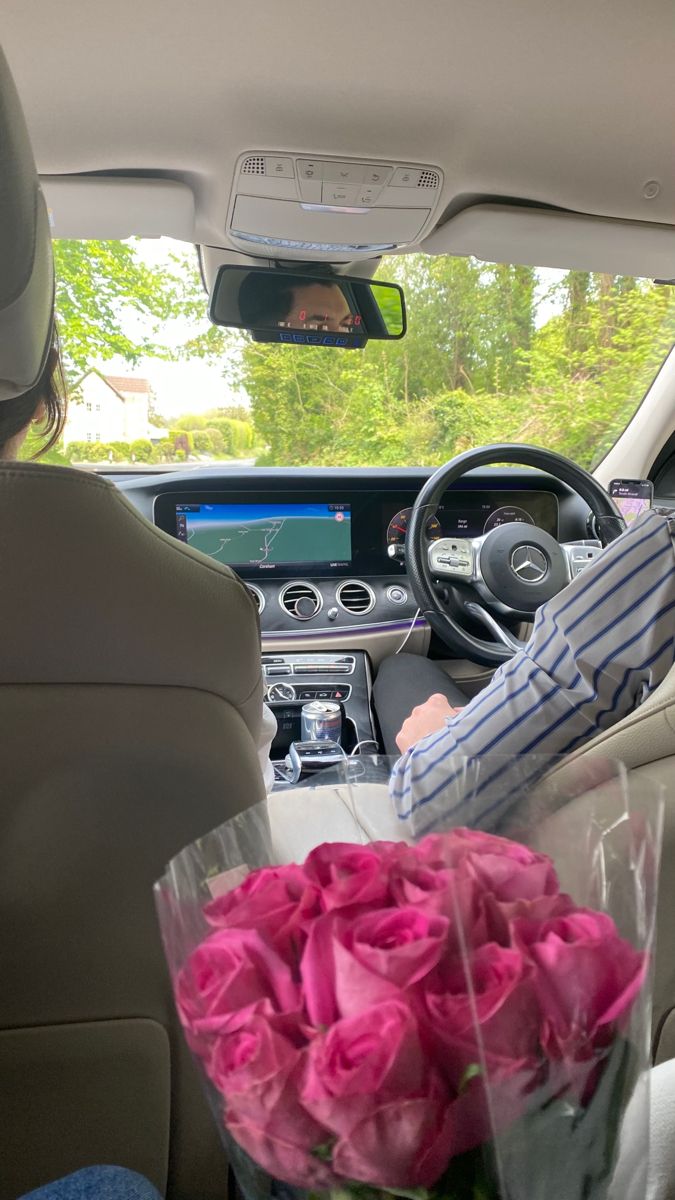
{"points": [[26, 262]]}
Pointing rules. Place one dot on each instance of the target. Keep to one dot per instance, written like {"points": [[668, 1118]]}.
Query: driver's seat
{"points": [[645, 742]]}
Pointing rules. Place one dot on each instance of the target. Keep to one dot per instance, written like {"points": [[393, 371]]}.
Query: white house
{"points": [[110, 408]]}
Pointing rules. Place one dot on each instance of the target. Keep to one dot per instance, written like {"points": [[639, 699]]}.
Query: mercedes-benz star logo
{"points": [[529, 564]]}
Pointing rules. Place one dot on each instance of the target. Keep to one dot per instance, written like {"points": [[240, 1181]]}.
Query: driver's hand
{"points": [[427, 718]]}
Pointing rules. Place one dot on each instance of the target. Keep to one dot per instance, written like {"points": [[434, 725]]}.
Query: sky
{"points": [[179, 387]]}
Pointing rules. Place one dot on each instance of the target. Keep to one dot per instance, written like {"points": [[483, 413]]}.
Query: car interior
{"points": [[134, 661]]}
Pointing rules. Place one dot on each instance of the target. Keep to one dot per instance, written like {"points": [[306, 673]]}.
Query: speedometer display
{"points": [[503, 516], [398, 527]]}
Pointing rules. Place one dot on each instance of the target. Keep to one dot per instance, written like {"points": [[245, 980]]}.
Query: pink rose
{"points": [[348, 966], [587, 979], [409, 1141], [348, 874], [510, 881], [261, 1053], [449, 849], [500, 997], [286, 1149], [399, 944], [277, 901], [360, 1063], [227, 976]]}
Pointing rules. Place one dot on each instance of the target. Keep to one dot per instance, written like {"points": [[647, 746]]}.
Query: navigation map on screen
{"points": [[266, 536], [632, 497]]}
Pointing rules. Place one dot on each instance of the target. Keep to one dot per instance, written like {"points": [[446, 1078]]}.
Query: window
{"points": [[89, 438], [98, 437], [493, 353]]}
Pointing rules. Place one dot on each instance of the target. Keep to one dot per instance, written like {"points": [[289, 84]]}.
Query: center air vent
{"points": [[302, 601], [257, 596], [355, 597]]}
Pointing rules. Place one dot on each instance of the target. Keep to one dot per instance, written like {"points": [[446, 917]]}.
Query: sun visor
{"points": [[550, 238], [99, 206], [26, 265]]}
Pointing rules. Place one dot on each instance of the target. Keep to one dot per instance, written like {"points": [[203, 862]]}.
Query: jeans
{"points": [[97, 1183]]}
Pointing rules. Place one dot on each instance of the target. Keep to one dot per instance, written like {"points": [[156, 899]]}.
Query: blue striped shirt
{"points": [[597, 650]]}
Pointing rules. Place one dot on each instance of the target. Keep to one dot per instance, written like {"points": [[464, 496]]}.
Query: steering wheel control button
{"points": [[529, 564], [451, 556], [581, 557], [396, 595]]}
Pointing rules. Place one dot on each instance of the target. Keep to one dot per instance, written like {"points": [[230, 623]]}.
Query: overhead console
{"points": [[299, 207]]}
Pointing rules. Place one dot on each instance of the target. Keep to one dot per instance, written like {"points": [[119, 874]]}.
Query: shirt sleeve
{"points": [[597, 649]]}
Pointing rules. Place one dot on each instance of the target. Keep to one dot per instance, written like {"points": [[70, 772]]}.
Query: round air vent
{"points": [[302, 601], [355, 597], [257, 596]]}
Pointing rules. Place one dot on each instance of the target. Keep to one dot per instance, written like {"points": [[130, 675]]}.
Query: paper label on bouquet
{"points": [[227, 881]]}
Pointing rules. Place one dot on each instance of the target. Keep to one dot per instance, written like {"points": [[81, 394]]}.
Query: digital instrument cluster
{"points": [[471, 514]]}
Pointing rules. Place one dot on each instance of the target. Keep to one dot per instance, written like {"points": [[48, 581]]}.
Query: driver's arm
{"points": [[597, 649]]}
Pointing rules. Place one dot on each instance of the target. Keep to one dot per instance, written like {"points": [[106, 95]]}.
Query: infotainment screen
{"points": [[265, 537]]}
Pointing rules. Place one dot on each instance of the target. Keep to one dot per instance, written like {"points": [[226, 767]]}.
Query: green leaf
{"points": [[473, 1071]]}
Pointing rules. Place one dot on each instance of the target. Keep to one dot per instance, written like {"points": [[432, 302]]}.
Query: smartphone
{"points": [[632, 497]]}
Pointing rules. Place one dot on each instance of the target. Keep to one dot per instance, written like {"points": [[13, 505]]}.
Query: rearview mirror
{"points": [[307, 308]]}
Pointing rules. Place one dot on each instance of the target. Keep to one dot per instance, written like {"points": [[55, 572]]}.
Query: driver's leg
{"points": [[402, 682]]}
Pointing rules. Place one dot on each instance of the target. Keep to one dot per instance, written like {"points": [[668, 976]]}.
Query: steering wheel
{"points": [[508, 572]]}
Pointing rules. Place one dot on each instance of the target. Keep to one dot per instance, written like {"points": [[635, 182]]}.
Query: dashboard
{"points": [[322, 550], [333, 533]]}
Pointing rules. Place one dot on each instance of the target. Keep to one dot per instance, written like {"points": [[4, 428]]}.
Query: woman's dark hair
{"points": [[50, 391]]}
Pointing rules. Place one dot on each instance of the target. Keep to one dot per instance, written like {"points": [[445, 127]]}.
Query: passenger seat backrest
{"points": [[130, 707]]}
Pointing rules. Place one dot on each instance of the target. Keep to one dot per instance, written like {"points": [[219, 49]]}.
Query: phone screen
{"points": [[632, 497]]}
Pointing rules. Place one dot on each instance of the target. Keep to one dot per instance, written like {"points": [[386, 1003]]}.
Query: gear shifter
{"points": [[304, 758]]}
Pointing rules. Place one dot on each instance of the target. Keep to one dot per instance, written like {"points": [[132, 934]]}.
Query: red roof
{"points": [[122, 384]]}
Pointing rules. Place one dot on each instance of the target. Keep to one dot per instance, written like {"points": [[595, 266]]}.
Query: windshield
{"points": [[494, 353]]}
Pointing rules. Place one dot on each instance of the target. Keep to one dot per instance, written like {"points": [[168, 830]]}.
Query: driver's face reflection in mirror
{"points": [[321, 307]]}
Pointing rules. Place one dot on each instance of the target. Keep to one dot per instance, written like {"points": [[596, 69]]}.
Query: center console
{"points": [[295, 679]]}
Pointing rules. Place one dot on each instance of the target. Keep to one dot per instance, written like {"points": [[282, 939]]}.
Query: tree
{"points": [[142, 450], [98, 284], [474, 368]]}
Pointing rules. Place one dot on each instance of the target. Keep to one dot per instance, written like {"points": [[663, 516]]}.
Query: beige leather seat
{"points": [[130, 708], [645, 743]]}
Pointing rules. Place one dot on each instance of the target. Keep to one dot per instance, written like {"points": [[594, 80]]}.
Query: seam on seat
{"points": [[87, 1022], [87, 683]]}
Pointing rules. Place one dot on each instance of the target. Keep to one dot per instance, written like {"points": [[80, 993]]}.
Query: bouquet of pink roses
{"points": [[438, 1019]]}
